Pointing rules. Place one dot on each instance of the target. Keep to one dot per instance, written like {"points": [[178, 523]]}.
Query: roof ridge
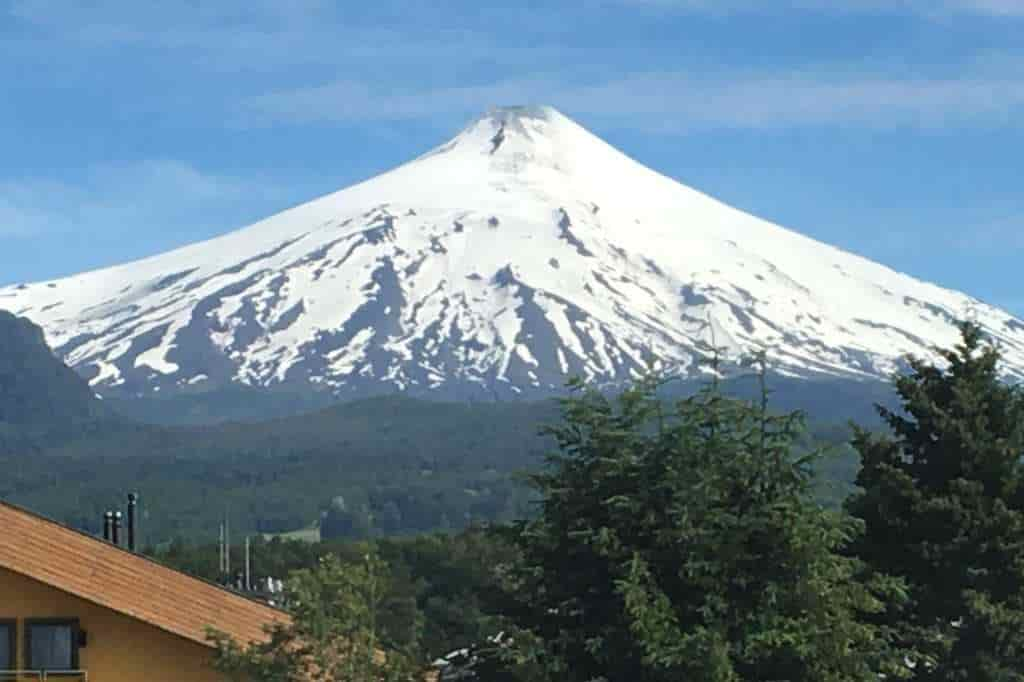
{"points": [[140, 555]]}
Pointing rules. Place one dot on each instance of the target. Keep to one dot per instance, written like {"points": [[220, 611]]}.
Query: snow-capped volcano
{"points": [[523, 250]]}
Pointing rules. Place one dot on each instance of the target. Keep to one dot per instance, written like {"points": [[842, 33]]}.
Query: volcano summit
{"points": [[523, 250]]}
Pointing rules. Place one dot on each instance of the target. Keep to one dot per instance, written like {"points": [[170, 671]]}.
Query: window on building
{"points": [[51, 644], [8, 643]]}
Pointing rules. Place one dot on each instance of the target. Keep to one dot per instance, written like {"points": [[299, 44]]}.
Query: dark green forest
{"points": [[388, 466], [399, 465], [383, 466]]}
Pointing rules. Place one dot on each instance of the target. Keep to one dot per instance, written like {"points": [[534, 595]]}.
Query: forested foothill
{"points": [[391, 465]]}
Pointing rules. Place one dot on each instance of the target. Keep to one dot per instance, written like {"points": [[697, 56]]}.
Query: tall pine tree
{"points": [[684, 544], [943, 506]]}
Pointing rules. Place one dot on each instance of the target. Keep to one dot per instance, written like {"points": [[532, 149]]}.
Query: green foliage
{"points": [[335, 632], [456, 583], [943, 505], [685, 544], [439, 591], [402, 466]]}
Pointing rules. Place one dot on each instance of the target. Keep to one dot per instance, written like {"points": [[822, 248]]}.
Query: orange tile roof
{"points": [[125, 582]]}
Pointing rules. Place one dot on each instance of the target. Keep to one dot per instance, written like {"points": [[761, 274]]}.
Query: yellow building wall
{"points": [[119, 648]]}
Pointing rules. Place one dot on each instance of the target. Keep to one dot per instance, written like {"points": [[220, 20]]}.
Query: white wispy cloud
{"points": [[678, 102], [672, 102], [930, 8], [263, 36], [113, 199], [345, 101], [267, 62]]}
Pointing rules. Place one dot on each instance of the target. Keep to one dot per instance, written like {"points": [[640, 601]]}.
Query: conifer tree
{"points": [[943, 507], [684, 544]]}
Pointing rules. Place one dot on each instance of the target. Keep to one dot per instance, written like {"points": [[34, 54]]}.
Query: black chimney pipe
{"points": [[108, 525], [133, 500], [116, 539]]}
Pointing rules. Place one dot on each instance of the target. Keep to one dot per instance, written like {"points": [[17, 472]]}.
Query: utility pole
{"points": [[220, 550], [248, 566], [227, 546]]}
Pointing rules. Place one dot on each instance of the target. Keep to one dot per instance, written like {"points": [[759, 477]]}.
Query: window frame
{"points": [[12, 641], [75, 626]]}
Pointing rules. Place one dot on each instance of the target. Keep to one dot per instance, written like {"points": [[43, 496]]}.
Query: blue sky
{"points": [[891, 128]]}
